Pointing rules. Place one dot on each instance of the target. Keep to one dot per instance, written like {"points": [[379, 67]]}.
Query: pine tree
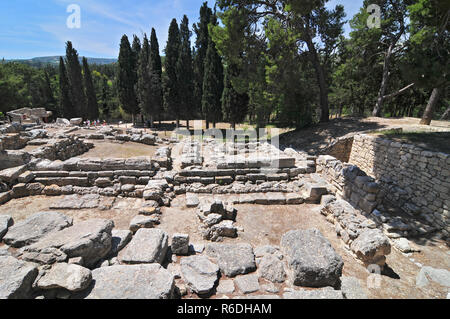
{"points": [[66, 108], [185, 72], [170, 82], [92, 105], [212, 86], [76, 81], [201, 46], [234, 105], [156, 77], [143, 84], [126, 78]]}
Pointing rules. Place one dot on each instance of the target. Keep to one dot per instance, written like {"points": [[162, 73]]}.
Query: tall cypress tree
{"points": [[170, 83], [136, 48], [126, 78], [201, 46], [185, 72], [76, 81], [66, 108], [156, 77], [143, 84], [212, 86], [92, 105], [234, 105]]}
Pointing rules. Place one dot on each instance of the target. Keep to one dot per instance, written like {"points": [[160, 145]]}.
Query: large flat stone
{"points": [[439, 276], [132, 282], [90, 239], [68, 276], [16, 278], [312, 261], [11, 174], [248, 283], [199, 273], [351, 288], [147, 246], [233, 260], [36, 227], [371, 246]]}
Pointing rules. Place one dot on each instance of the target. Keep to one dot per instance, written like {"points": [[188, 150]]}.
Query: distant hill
{"points": [[41, 61]]}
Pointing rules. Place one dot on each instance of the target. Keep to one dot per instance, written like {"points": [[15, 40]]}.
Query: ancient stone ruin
{"points": [[185, 214]]}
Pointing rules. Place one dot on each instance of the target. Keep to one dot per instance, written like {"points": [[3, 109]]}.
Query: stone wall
{"points": [[340, 149], [350, 183], [414, 180]]}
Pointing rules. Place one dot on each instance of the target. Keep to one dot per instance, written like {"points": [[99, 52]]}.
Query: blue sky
{"points": [[33, 28]]}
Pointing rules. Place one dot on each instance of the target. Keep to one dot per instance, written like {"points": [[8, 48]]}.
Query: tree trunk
{"points": [[428, 114], [446, 115], [187, 125], [378, 110], [178, 123], [207, 124], [320, 74]]}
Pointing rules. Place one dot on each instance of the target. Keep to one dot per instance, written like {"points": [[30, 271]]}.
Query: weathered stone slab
{"points": [[132, 282], [226, 287], [12, 174], [199, 273], [233, 260], [272, 269], [351, 288], [68, 276], [142, 221], [16, 278], [312, 261], [147, 246], [372, 246], [36, 227], [439, 276], [248, 283], [89, 239]]}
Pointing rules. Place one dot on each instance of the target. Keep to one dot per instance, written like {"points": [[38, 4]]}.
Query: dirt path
{"points": [[316, 138]]}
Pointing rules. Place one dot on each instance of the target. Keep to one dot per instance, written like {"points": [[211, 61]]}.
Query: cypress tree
{"points": [[156, 77], [92, 105], [234, 105], [185, 72], [76, 81], [171, 90], [212, 86], [143, 84], [136, 48], [126, 78], [66, 108], [201, 46]]}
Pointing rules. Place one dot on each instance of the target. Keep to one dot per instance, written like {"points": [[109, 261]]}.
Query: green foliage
{"points": [[75, 81], [185, 72], [170, 80], [212, 85], [92, 105], [201, 46], [126, 79]]}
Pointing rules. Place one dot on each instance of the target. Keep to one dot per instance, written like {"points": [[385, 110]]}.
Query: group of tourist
{"points": [[95, 123]]}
